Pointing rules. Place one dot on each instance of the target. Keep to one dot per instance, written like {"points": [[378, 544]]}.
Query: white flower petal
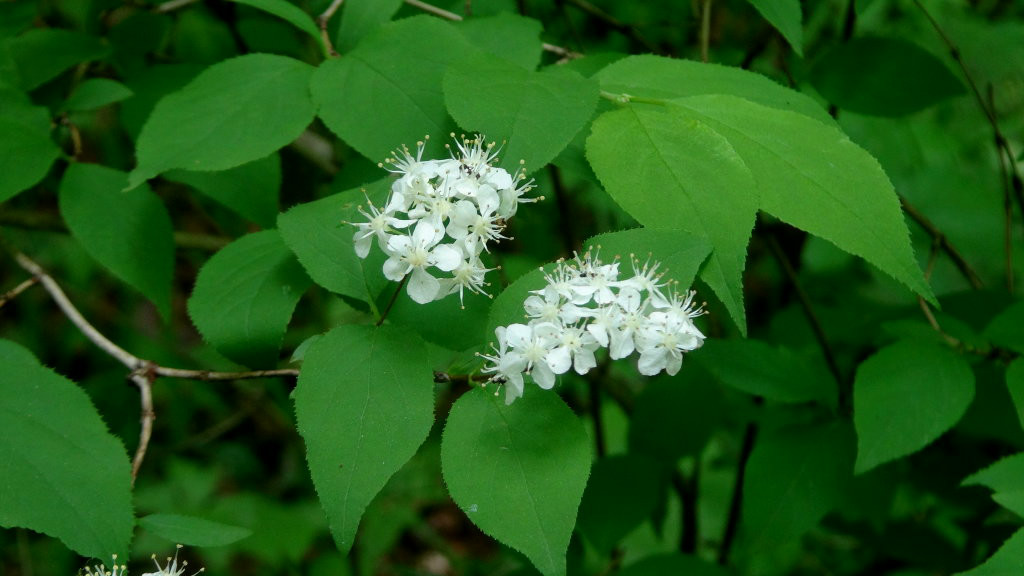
{"points": [[423, 287], [446, 258]]}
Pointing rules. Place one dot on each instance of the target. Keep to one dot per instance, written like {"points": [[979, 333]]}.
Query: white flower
{"points": [[414, 254], [379, 225], [575, 348], [468, 275], [533, 344], [101, 569], [170, 567]]}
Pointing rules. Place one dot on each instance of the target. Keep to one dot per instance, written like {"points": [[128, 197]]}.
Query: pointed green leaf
{"points": [[360, 18], [379, 80], [812, 176], [659, 77], [244, 298], [904, 397], [1005, 329], [316, 233], [538, 113], [26, 150], [63, 473], [793, 478], [236, 111], [251, 189], [512, 37], [1007, 561], [1006, 475], [679, 253], [41, 54], [288, 12], [127, 232], [192, 531], [670, 171], [787, 18], [518, 471], [96, 93], [870, 76], [364, 403], [623, 491]]}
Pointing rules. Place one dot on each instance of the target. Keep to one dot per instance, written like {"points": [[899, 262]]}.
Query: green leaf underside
{"points": [[812, 176], [904, 397], [670, 171], [364, 403], [288, 12], [793, 478], [244, 298], [621, 494], [870, 76], [234, 112], [1005, 329], [129, 233], [192, 531], [41, 54], [664, 564], [787, 17], [659, 77], [377, 80], [512, 37], [361, 17], [775, 373], [26, 150], [538, 113], [519, 471], [63, 473], [679, 253], [95, 93], [251, 189], [1007, 561], [315, 232]]}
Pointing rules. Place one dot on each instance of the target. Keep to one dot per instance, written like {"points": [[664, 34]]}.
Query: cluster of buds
{"points": [[170, 567], [584, 307], [440, 217]]}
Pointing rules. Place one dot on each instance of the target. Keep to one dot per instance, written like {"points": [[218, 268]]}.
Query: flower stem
{"points": [[391, 302]]}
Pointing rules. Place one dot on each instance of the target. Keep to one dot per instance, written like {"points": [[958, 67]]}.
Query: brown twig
{"points": [[322, 21], [610, 20], [172, 5], [958, 260], [705, 30], [391, 302], [13, 292], [143, 372]]}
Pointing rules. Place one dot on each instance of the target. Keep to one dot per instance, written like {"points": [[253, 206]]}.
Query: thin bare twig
{"points": [[13, 292], [321, 22], [434, 10], [958, 260], [143, 372], [705, 30], [607, 18], [172, 5]]}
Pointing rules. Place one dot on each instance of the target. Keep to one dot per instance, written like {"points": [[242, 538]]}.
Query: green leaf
{"points": [[659, 77], [1006, 475], [662, 564], [192, 531], [127, 232], [289, 13], [904, 397], [63, 473], [244, 298], [518, 471], [251, 189], [41, 54], [871, 76], [679, 253], [674, 417], [511, 37], [316, 234], [787, 18], [236, 111], [26, 150], [96, 93], [773, 372], [812, 176], [508, 306], [622, 493], [364, 403], [538, 113], [1015, 384], [1007, 561], [361, 17], [380, 80], [793, 478], [1005, 329], [670, 171]]}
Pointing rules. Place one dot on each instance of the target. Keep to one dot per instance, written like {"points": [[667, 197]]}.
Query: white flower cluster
{"points": [[440, 215], [170, 568], [585, 306]]}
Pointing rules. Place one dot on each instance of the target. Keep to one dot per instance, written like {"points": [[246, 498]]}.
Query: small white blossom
{"points": [[102, 570], [170, 567]]}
